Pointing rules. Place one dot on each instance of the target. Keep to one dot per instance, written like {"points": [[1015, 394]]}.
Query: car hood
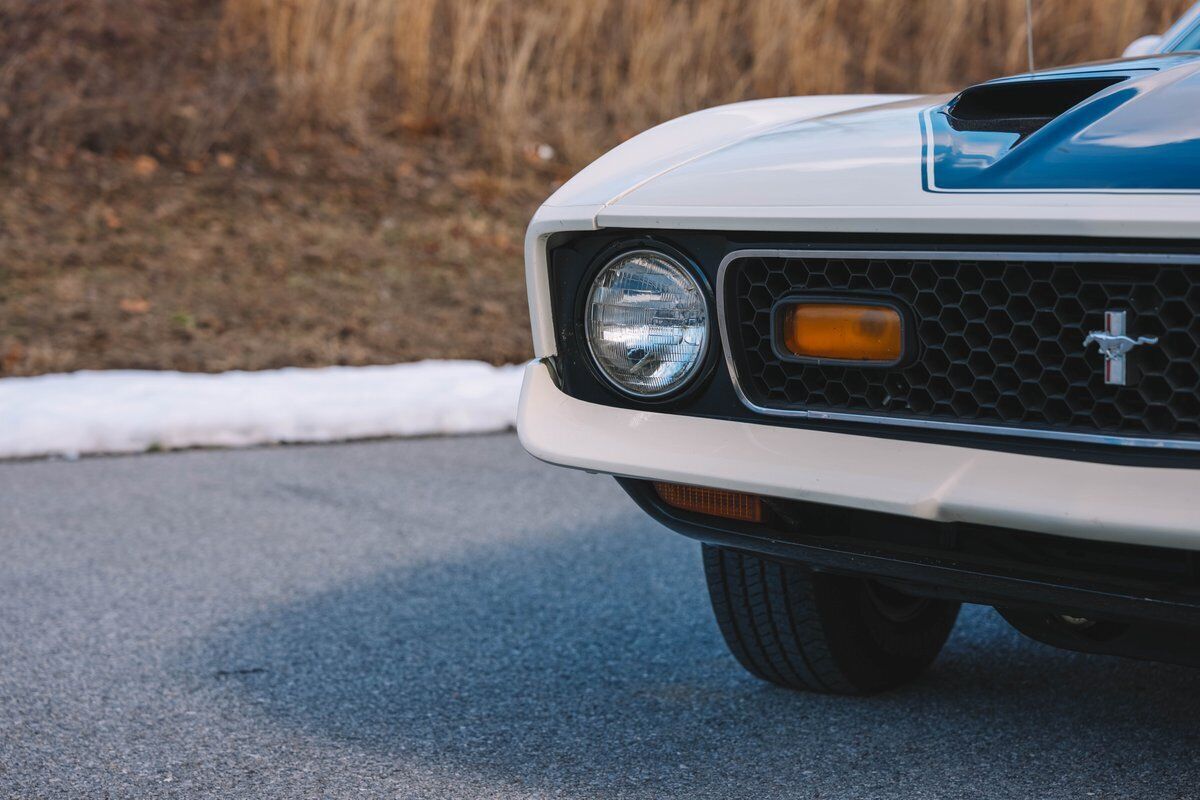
{"points": [[1134, 132]]}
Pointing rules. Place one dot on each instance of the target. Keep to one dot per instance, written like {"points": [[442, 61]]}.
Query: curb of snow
{"points": [[132, 411]]}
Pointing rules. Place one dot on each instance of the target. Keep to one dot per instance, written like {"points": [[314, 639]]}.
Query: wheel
{"points": [[825, 633]]}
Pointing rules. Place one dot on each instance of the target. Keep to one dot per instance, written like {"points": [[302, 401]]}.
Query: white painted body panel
{"points": [[798, 165], [864, 170], [929, 481]]}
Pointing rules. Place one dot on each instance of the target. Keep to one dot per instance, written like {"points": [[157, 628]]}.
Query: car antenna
{"points": [[1029, 30]]}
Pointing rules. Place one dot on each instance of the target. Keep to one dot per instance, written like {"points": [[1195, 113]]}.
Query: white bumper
{"points": [[1140, 505]]}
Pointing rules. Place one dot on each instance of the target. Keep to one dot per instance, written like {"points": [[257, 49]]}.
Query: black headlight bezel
{"points": [[712, 351]]}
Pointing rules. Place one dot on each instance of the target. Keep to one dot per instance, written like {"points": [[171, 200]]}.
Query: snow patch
{"points": [[130, 411]]}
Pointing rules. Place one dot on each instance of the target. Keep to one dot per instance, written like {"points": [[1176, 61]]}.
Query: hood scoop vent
{"points": [[1022, 107]]}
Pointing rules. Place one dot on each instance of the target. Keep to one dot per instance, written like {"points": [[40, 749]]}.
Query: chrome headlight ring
{"points": [[648, 324]]}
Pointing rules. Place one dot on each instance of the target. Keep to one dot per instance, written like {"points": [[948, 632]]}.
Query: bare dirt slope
{"points": [[112, 265]]}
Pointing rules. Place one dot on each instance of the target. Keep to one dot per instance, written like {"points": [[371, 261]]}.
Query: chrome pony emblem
{"points": [[1115, 346]]}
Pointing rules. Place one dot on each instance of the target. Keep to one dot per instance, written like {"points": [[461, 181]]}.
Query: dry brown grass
{"points": [[582, 74], [183, 78]]}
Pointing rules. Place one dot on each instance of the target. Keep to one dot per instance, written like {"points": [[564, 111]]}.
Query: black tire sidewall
{"points": [[876, 652]]}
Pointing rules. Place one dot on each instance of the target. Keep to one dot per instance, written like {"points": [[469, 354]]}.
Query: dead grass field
{"points": [[582, 75], [207, 185]]}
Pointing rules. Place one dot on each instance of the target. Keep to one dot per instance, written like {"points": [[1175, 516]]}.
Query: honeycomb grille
{"points": [[998, 342]]}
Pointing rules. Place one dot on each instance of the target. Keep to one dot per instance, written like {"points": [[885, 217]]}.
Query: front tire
{"points": [[801, 629]]}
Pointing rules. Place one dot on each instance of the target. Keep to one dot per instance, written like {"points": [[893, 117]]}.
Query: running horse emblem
{"points": [[1115, 346]]}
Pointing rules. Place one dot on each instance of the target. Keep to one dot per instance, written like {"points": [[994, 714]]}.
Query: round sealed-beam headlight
{"points": [[647, 324]]}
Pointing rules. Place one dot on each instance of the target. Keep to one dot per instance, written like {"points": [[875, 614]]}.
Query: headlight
{"points": [[646, 323]]}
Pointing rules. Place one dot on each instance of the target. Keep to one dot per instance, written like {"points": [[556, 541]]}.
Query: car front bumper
{"points": [[1154, 506]]}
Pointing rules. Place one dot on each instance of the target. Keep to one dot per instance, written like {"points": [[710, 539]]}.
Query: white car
{"points": [[883, 355]]}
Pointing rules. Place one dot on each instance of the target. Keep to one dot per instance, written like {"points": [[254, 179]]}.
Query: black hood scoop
{"points": [[1022, 107]]}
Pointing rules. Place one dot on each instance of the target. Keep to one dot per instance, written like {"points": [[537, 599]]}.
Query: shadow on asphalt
{"points": [[588, 663]]}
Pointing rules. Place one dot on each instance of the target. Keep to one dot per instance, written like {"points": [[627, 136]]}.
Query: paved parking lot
{"points": [[450, 618]]}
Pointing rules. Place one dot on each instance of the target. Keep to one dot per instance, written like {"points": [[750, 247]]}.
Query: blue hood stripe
{"points": [[1141, 135]]}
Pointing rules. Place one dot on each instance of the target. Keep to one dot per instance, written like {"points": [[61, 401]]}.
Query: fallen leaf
{"points": [[12, 356], [135, 305], [421, 124], [111, 220], [194, 167], [145, 166], [226, 160]]}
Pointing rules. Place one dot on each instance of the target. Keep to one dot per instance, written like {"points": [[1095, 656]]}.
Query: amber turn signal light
{"points": [[714, 502], [843, 332]]}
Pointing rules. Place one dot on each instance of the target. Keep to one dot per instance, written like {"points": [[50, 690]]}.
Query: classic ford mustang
{"points": [[885, 355]]}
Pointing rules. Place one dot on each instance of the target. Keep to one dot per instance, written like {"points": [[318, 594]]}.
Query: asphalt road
{"points": [[449, 618]]}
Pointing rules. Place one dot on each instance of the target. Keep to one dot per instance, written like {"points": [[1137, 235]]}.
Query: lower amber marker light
{"points": [[713, 502], [843, 332]]}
